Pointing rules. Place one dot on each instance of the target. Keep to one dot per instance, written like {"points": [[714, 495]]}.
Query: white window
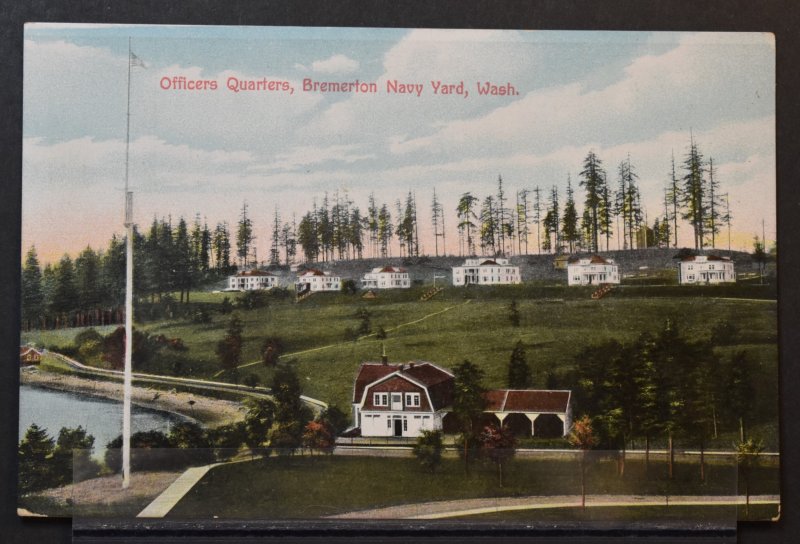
{"points": [[405, 424], [388, 423]]}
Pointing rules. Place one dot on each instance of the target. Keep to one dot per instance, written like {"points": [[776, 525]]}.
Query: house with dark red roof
{"points": [[313, 280], [386, 277], [403, 399], [29, 356], [252, 280], [591, 270], [541, 412], [705, 269], [486, 271]]}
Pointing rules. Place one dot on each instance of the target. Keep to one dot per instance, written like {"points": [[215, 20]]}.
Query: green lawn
{"points": [[310, 487]]}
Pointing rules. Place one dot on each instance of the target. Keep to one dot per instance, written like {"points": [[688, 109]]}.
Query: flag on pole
{"points": [[136, 61]]}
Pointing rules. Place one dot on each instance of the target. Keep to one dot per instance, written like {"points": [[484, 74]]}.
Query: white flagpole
{"points": [[128, 381]]}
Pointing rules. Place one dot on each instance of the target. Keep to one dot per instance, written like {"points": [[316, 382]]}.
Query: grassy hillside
{"points": [[556, 324]]}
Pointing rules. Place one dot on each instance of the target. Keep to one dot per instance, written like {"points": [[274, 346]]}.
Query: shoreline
{"points": [[207, 411]]}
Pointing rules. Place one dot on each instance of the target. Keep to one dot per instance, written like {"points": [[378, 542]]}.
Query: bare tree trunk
{"points": [[583, 479], [702, 460], [647, 455], [670, 456]]}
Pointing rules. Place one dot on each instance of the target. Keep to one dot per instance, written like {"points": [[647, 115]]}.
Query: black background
{"points": [[779, 17]]}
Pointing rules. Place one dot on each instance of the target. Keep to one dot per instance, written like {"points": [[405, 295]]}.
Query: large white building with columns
{"points": [[486, 271]]}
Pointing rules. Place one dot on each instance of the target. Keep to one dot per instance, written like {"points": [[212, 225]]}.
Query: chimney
{"points": [[411, 364], [384, 358]]}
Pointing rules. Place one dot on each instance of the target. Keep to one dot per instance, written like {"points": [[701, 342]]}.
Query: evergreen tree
{"points": [[72, 457], [466, 214], [65, 295], [113, 275], [502, 214], [468, 403], [182, 250], [714, 217], [87, 279], [221, 245], [34, 455], [628, 203], [356, 233], [325, 229], [695, 193], [291, 415], [372, 225], [519, 373], [523, 231], [229, 349], [674, 198], [275, 251], [437, 221], [489, 228], [537, 217], [244, 237], [593, 180], [553, 220], [385, 230], [32, 294], [48, 287], [307, 237], [606, 212], [569, 227], [407, 228]]}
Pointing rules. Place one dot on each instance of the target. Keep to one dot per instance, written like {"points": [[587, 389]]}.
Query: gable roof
{"points": [[313, 272], [389, 268], [422, 372], [702, 258], [253, 272], [593, 259], [527, 400], [24, 350]]}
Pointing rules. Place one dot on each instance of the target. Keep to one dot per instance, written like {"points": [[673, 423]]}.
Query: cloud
{"points": [[337, 64], [692, 84]]}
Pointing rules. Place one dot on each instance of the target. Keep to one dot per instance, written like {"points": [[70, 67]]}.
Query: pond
{"points": [[102, 418]]}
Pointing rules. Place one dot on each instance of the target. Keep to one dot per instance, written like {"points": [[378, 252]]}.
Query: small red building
{"points": [[29, 356]]}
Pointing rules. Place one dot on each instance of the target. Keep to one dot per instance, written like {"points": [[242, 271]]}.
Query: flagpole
{"points": [[128, 380]]}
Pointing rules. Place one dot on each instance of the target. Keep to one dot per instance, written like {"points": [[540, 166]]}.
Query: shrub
{"points": [[428, 449]]}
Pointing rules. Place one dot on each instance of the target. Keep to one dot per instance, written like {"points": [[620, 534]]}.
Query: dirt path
{"points": [[471, 507]]}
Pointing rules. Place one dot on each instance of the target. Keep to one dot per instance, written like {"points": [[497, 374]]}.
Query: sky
{"points": [[641, 95]]}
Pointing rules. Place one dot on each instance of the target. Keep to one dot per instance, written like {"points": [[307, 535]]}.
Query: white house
{"points": [[388, 277], [252, 280], [592, 270], [705, 269], [316, 280], [486, 271], [401, 399]]}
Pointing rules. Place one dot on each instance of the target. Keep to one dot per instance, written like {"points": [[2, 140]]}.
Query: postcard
{"points": [[479, 276]]}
